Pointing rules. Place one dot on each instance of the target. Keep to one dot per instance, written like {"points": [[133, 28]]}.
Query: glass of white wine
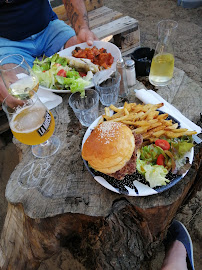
{"points": [[18, 76]]}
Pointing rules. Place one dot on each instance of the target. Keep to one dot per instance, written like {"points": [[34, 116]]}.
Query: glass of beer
{"points": [[18, 76], [31, 123]]}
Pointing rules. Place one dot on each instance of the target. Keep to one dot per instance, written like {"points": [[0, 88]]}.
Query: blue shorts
{"points": [[48, 41]]}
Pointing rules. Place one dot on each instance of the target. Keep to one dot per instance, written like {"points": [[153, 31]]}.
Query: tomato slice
{"points": [[160, 160], [62, 73], [163, 144]]}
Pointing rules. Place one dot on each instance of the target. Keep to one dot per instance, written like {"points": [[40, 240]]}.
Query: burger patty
{"points": [[130, 166]]}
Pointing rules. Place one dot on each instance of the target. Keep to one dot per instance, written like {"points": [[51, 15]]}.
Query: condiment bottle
{"points": [[130, 72], [120, 66]]}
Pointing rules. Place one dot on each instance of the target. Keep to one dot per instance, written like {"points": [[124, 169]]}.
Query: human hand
{"points": [[13, 102], [86, 35]]}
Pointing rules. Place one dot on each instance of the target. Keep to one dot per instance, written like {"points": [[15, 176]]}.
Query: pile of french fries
{"points": [[146, 120]]}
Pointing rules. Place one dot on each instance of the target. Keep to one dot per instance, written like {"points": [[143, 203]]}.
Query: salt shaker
{"points": [[130, 72], [120, 66]]}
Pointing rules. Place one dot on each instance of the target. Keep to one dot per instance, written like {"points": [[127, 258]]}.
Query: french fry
{"points": [[152, 121], [171, 134], [174, 126], [190, 133], [158, 133], [140, 130], [119, 119], [163, 116], [100, 120], [137, 108], [152, 115], [117, 115], [127, 122], [126, 112], [138, 116], [113, 108], [107, 111], [179, 130], [150, 132], [128, 106], [142, 123], [155, 125]]}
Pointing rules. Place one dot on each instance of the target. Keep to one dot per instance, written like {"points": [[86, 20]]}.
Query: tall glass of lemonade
{"points": [[31, 123], [162, 66]]}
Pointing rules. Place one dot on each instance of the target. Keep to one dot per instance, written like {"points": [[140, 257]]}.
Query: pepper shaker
{"points": [[120, 66], [130, 72]]}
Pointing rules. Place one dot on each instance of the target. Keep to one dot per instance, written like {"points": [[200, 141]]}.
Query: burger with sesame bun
{"points": [[111, 149]]}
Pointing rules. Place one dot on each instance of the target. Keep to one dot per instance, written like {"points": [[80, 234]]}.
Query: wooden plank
{"points": [[93, 15], [103, 19], [93, 4], [98, 12], [90, 5], [128, 39], [116, 27], [61, 12]]}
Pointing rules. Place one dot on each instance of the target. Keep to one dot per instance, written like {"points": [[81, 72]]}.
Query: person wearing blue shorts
{"points": [[32, 29]]}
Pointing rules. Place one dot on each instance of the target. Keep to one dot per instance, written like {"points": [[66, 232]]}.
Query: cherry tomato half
{"points": [[163, 144], [160, 160], [62, 73]]}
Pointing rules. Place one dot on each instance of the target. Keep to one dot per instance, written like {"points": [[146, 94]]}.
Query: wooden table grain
{"points": [[70, 209]]}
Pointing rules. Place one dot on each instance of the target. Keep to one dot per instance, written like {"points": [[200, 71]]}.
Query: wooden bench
{"points": [[109, 25]]}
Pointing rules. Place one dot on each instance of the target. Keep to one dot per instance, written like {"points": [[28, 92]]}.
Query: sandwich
{"points": [[111, 149]]}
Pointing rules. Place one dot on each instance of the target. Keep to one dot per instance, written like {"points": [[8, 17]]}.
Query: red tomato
{"points": [[82, 74], [62, 73], [160, 160], [163, 144]]}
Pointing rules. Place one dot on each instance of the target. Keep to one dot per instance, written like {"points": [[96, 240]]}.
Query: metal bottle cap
{"points": [[129, 63]]}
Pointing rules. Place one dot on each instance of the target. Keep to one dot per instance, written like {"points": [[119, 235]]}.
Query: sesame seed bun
{"points": [[109, 147]]}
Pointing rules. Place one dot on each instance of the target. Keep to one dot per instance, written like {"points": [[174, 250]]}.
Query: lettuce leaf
{"points": [[154, 174], [150, 153]]}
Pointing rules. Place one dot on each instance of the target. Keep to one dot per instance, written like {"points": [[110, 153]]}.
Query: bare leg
{"points": [[175, 258]]}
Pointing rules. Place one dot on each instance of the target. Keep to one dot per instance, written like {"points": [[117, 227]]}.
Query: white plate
{"points": [[111, 48], [139, 189]]}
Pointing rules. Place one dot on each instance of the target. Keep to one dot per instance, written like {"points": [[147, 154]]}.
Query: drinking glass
{"points": [[85, 108], [18, 76], [162, 65], [32, 124], [108, 86]]}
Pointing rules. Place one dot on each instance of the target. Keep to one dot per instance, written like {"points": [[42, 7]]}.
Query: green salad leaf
{"points": [[154, 174]]}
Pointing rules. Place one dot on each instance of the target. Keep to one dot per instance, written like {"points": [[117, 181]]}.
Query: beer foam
{"points": [[27, 119]]}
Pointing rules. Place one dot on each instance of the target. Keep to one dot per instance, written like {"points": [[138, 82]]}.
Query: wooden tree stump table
{"points": [[69, 209]]}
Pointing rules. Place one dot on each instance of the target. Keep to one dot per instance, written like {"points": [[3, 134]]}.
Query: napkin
{"points": [[50, 99], [149, 96]]}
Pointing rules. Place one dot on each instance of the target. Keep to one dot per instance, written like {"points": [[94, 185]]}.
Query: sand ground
{"points": [[188, 52]]}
